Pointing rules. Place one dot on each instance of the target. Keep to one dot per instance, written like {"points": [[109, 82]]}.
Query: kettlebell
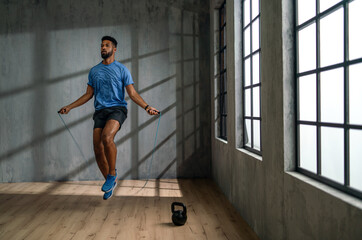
{"points": [[179, 217]]}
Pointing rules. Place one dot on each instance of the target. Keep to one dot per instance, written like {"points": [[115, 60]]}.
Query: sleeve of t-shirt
{"points": [[127, 78], [90, 79]]}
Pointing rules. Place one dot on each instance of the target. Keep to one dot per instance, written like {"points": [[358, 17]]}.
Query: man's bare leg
{"points": [[110, 149], [99, 152]]}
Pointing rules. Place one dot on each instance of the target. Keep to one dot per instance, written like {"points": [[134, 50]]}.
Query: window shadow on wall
{"points": [[183, 146]]}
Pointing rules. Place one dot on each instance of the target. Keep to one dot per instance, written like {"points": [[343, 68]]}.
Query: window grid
{"points": [[317, 71], [254, 87], [222, 73]]}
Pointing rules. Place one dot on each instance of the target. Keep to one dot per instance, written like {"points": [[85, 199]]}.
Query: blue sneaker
{"points": [[109, 184], [109, 194]]}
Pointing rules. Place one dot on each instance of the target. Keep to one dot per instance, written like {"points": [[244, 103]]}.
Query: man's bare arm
{"points": [[132, 93], [80, 101]]}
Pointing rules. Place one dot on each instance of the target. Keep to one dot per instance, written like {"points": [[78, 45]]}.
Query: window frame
{"points": [[252, 86], [222, 73], [346, 126]]}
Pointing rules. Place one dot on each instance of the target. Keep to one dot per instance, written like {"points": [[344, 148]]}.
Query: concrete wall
{"points": [[277, 202], [47, 49]]}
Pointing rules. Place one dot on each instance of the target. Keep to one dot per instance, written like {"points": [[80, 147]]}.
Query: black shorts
{"points": [[101, 117]]}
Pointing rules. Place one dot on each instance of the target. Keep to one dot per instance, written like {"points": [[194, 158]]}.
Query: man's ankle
{"points": [[112, 172]]}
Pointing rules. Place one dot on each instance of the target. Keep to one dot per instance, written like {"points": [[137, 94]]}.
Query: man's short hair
{"points": [[114, 41]]}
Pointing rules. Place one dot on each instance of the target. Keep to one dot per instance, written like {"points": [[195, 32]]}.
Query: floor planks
{"points": [[76, 210]]}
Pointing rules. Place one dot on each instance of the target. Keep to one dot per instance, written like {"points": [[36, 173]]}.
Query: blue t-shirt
{"points": [[108, 82]]}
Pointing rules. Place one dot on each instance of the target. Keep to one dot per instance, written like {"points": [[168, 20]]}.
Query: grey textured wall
{"points": [[276, 202], [47, 49]]}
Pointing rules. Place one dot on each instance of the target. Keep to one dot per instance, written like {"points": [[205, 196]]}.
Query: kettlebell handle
{"points": [[178, 204]]}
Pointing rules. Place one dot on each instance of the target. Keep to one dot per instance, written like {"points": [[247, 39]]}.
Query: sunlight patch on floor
{"points": [[153, 188], [125, 188]]}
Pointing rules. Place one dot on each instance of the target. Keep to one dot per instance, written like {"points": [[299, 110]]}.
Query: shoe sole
{"points": [[108, 197], [111, 188], [114, 186]]}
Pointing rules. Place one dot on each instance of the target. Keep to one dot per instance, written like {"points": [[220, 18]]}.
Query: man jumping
{"points": [[107, 81]]}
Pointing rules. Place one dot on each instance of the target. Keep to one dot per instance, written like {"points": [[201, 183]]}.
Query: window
{"points": [[222, 73], [251, 76], [329, 87]]}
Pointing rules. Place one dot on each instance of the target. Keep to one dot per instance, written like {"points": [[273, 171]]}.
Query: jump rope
{"points": [[153, 151], [76, 143]]}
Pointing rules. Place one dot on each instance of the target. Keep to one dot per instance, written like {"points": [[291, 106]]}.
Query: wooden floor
{"points": [[76, 210]]}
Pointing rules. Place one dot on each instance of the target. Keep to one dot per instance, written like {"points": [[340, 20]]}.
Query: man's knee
{"points": [[107, 139]]}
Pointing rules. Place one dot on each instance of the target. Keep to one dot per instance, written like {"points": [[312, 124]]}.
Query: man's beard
{"points": [[106, 55]]}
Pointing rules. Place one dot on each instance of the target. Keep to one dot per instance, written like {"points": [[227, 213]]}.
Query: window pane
{"points": [[332, 151], [255, 33], [225, 105], [254, 8], [256, 78], [247, 42], [247, 133], [307, 98], [308, 147], [247, 72], [307, 48], [222, 13], [256, 102], [221, 84], [355, 33], [325, 4], [247, 103], [331, 38], [225, 59], [332, 97], [246, 12], [256, 134], [224, 127], [306, 10], [225, 82], [355, 94], [355, 159], [224, 37]]}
